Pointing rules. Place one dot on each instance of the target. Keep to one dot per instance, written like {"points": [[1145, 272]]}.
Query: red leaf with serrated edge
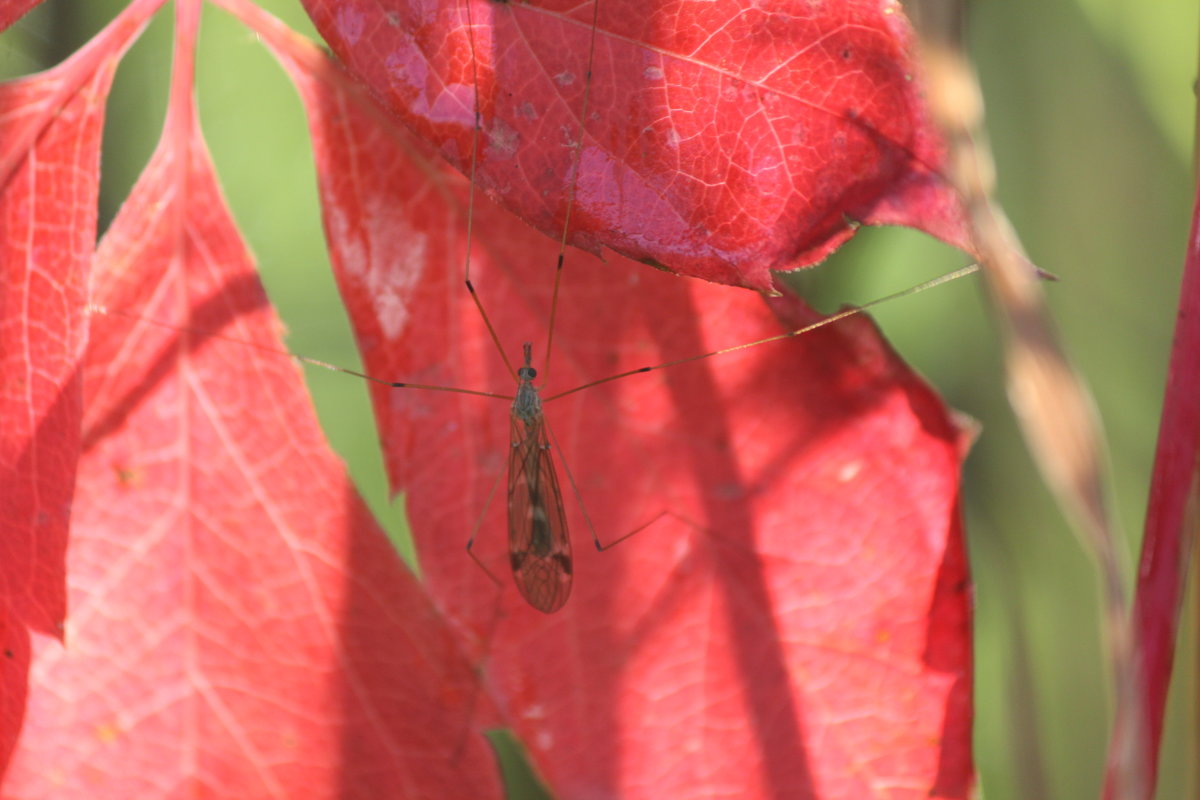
{"points": [[722, 140], [815, 599], [50, 128], [49, 152], [241, 626], [47, 228], [797, 625]]}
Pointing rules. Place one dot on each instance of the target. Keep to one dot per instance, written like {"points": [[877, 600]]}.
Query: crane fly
{"points": [[539, 543], [539, 547]]}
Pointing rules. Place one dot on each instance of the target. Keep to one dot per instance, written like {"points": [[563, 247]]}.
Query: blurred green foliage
{"points": [[1090, 111]]}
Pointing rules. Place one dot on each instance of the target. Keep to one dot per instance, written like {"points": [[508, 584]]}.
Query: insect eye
{"points": [[526, 373]]}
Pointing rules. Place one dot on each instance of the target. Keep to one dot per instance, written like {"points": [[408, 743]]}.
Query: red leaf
{"points": [[242, 628], [49, 159], [49, 154], [50, 189], [815, 601], [722, 140], [798, 627]]}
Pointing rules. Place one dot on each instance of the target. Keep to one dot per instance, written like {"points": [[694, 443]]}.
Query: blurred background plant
{"points": [[1090, 111]]}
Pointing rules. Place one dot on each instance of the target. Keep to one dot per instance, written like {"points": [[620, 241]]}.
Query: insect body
{"points": [[538, 543]]}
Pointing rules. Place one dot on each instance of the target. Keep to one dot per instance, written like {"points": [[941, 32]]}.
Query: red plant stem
{"points": [[1171, 520]]}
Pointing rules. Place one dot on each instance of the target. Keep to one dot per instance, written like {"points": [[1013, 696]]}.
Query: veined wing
{"points": [[538, 544]]}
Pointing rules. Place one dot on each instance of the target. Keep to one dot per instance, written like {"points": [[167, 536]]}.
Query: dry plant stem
{"points": [[1049, 398], [1023, 737]]}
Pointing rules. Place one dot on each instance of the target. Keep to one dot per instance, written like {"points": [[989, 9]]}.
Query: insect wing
{"points": [[538, 544]]}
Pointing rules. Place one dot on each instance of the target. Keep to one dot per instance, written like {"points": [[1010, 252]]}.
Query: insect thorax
{"points": [[528, 404]]}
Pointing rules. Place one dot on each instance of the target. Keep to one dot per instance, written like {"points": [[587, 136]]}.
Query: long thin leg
{"points": [[849, 312], [471, 193], [478, 524], [600, 546], [314, 362], [574, 184], [664, 513], [583, 508]]}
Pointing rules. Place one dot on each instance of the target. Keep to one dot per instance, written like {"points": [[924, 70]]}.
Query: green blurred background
{"points": [[1090, 109]]}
